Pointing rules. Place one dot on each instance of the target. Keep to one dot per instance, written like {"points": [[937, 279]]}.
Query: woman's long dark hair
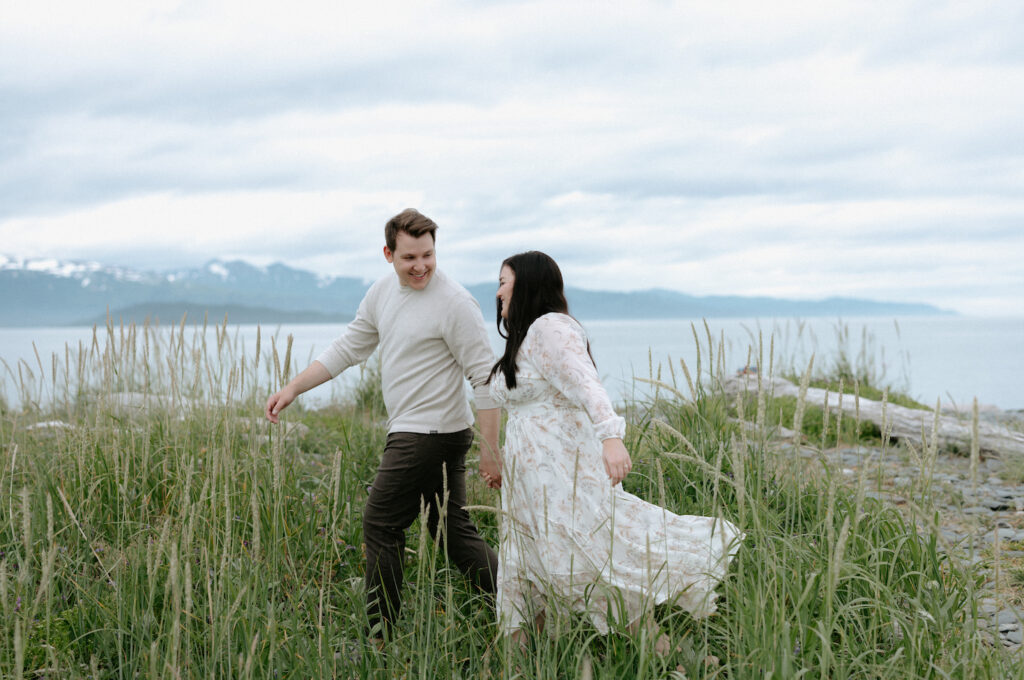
{"points": [[536, 291]]}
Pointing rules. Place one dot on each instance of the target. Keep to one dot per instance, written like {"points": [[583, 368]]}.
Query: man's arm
{"points": [[489, 421], [355, 344], [466, 336], [315, 374]]}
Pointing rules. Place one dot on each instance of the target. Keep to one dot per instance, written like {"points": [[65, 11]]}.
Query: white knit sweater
{"points": [[431, 341]]}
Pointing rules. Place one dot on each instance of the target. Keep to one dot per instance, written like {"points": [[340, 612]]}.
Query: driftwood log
{"points": [[915, 425]]}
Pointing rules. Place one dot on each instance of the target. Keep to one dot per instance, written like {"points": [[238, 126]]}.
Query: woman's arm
{"points": [[558, 350]]}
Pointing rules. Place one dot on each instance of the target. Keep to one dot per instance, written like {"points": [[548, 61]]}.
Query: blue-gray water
{"points": [[952, 358]]}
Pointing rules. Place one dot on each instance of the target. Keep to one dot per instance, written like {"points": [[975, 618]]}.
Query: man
{"points": [[432, 337]]}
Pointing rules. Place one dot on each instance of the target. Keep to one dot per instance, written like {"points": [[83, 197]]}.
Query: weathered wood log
{"points": [[901, 422]]}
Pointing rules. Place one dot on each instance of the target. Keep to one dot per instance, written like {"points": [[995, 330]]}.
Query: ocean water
{"points": [[953, 359]]}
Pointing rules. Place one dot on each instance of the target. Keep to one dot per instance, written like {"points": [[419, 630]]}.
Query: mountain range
{"points": [[47, 292]]}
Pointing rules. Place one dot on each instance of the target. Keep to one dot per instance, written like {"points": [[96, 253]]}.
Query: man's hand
{"points": [[616, 460], [277, 402], [315, 374], [489, 420], [490, 470]]}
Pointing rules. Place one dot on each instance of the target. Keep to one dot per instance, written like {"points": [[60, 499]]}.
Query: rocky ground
{"points": [[981, 517]]}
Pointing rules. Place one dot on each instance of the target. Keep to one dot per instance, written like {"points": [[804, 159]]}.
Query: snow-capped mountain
{"points": [[46, 292], [36, 292], [88, 273]]}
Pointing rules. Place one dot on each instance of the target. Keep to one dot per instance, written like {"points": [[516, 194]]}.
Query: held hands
{"points": [[490, 470], [616, 460]]}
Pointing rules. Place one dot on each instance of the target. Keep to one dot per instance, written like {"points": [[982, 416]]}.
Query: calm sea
{"points": [[950, 358]]}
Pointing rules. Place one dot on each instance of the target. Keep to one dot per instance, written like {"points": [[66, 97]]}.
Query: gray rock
{"points": [[1010, 616], [50, 426], [950, 536], [1004, 535], [132, 404]]}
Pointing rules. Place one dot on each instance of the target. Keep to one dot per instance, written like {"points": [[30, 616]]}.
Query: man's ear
{"points": [[388, 255]]}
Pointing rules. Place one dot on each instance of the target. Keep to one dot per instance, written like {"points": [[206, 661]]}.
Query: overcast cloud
{"points": [[792, 149]]}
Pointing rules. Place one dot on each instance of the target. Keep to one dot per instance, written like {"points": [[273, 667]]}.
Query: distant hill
{"points": [[56, 293], [667, 304], [172, 312]]}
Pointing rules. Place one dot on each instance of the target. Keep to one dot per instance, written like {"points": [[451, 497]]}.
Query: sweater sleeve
{"points": [[558, 350], [467, 339], [356, 344]]}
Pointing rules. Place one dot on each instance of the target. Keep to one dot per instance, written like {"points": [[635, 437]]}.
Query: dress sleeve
{"points": [[558, 350]]}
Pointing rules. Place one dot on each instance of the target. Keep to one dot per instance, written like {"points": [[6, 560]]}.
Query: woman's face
{"points": [[505, 280]]}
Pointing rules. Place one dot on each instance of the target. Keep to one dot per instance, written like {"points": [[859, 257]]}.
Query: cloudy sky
{"points": [[793, 149]]}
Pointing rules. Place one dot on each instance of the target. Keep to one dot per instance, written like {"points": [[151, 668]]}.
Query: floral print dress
{"points": [[566, 532]]}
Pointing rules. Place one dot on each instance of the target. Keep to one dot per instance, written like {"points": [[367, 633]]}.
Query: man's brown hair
{"points": [[412, 222]]}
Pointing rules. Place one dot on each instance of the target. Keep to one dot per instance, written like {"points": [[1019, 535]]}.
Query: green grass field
{"points": [[186, 537]]}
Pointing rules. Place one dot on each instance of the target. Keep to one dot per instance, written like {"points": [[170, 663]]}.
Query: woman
{"points": [[569, 530]]}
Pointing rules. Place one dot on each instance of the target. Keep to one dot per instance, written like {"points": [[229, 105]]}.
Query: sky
{"points": [[791, 149]]}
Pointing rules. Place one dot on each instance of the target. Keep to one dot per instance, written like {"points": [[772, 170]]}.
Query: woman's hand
{"points": [[616, 460], [490, 469]]}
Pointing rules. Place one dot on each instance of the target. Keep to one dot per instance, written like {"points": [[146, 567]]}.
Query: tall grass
{"points": [[860, 368], [172, 533]]}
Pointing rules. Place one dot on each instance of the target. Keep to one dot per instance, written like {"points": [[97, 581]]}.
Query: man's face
{"points": [[413, 259]]}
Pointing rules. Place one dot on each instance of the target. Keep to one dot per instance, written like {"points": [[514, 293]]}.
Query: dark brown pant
{"points": [[412, 471]]}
